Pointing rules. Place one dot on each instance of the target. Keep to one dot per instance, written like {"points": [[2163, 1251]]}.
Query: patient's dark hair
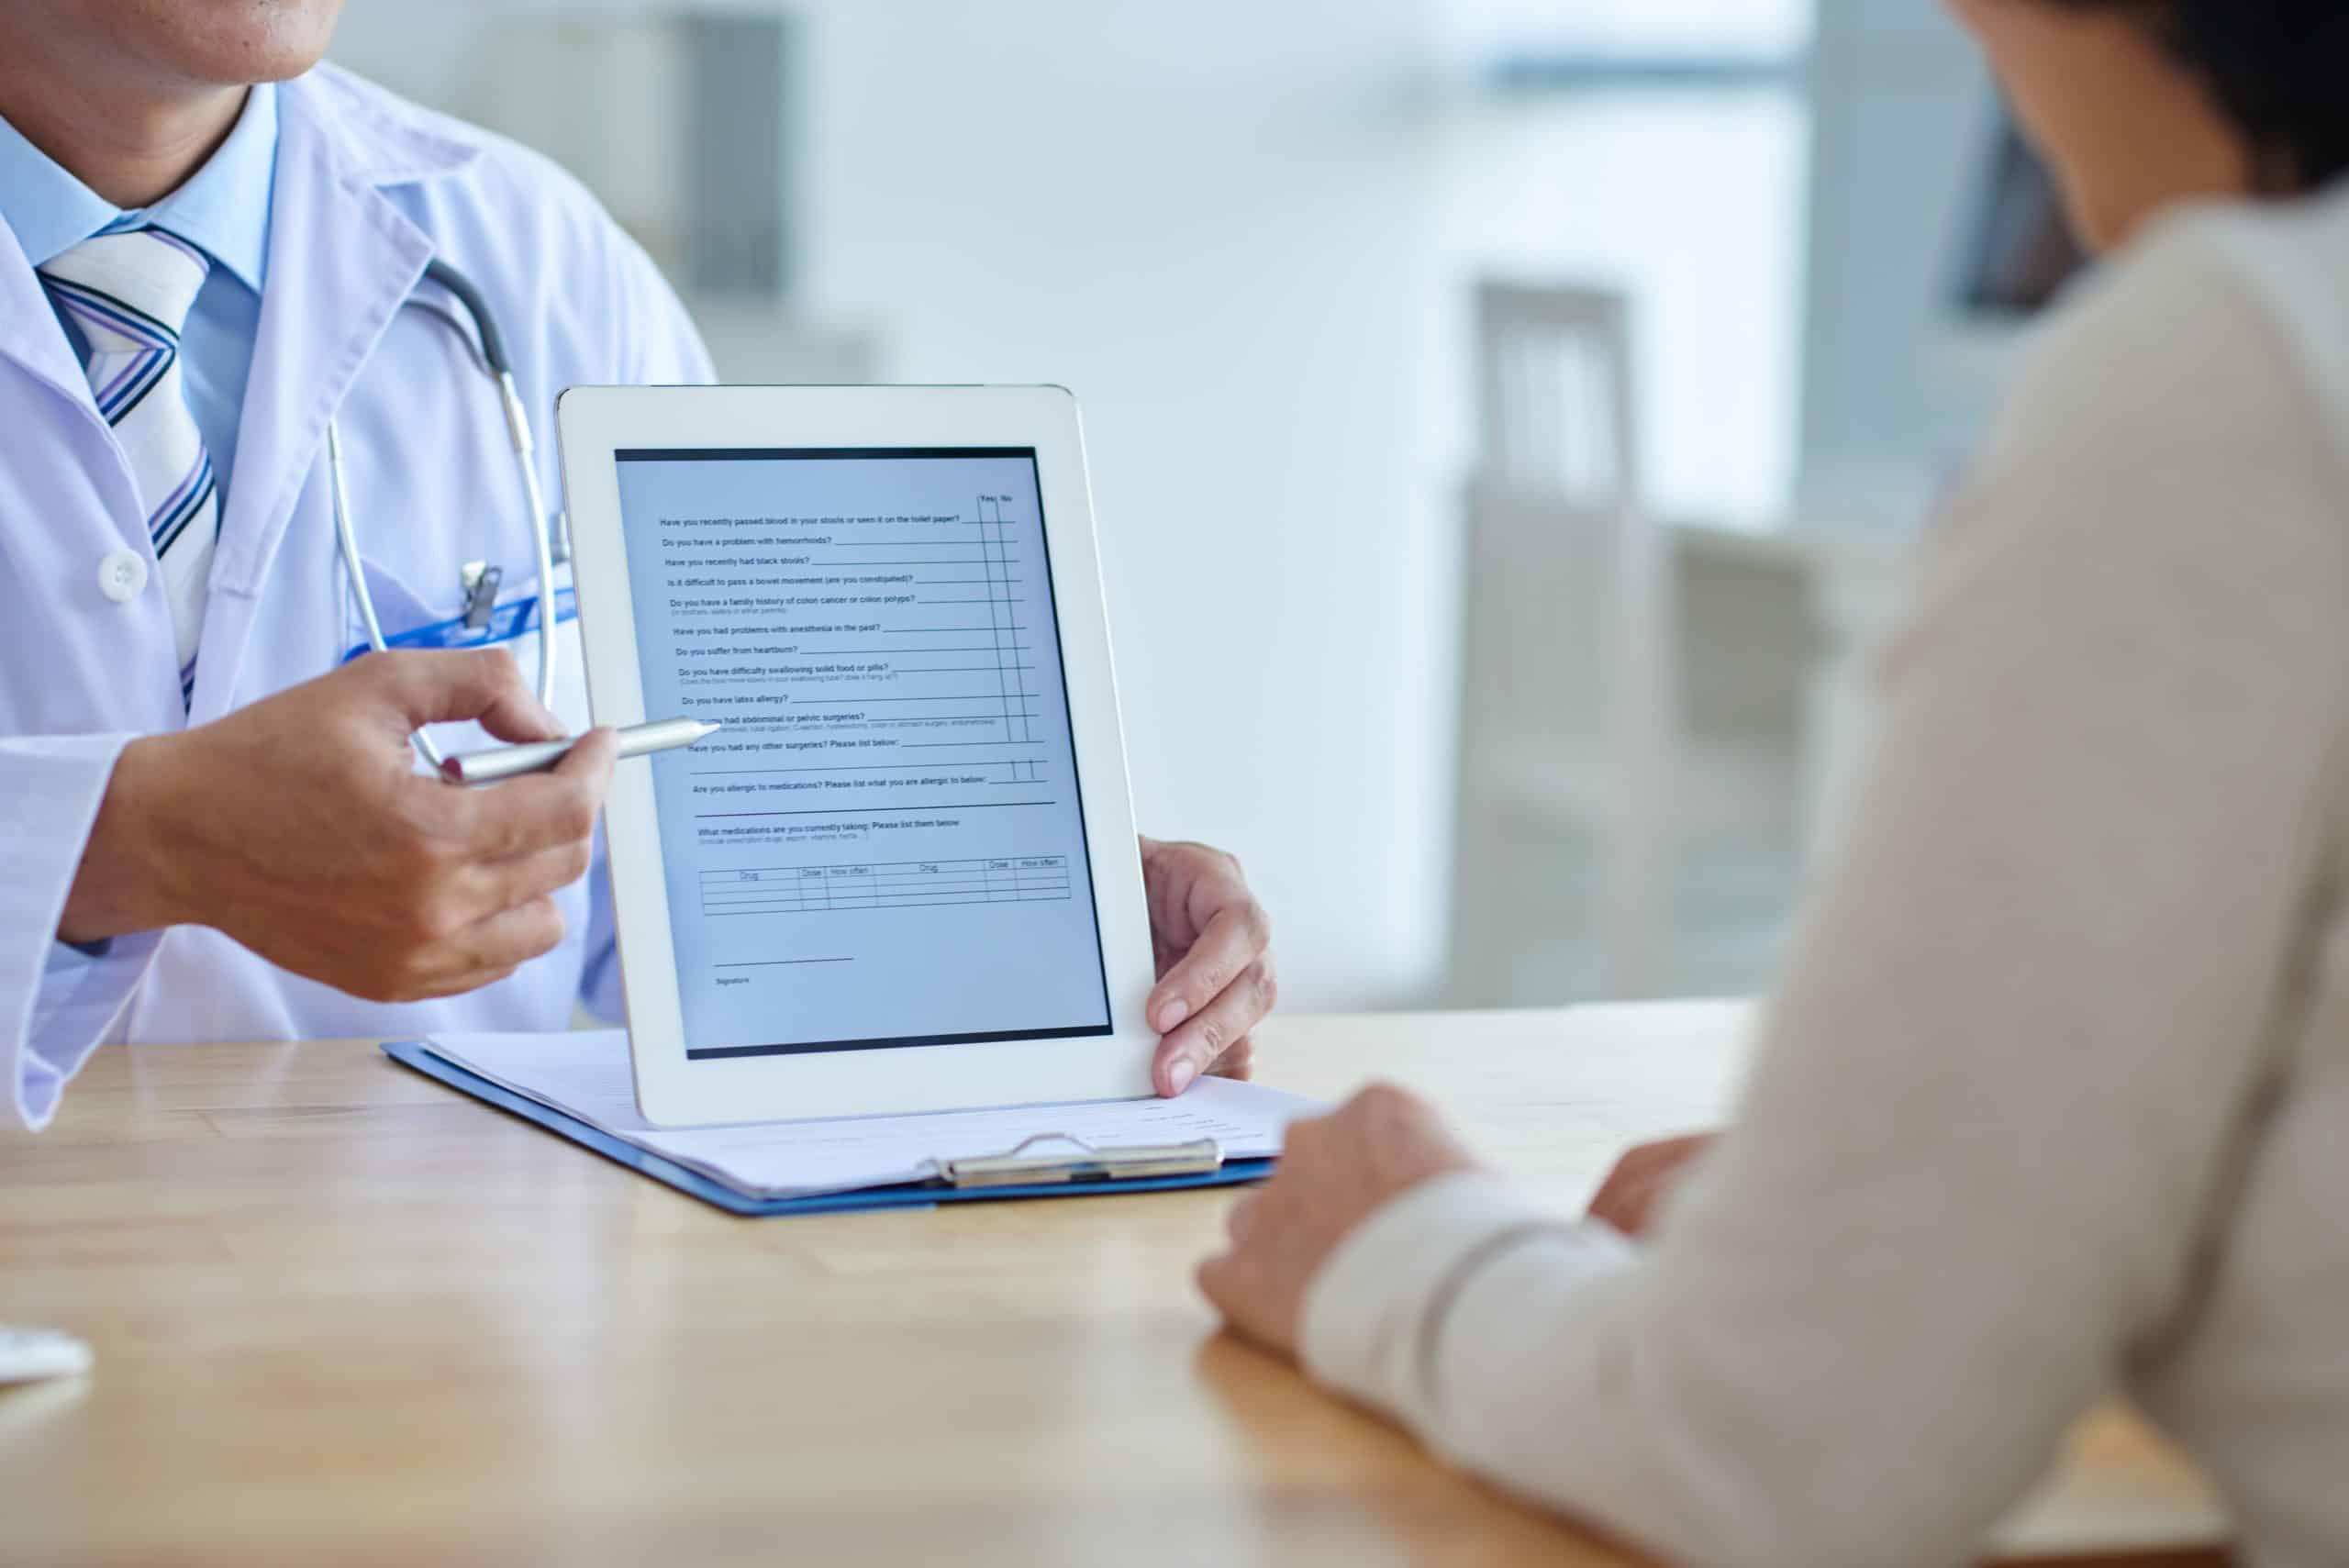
{"points": [[2280, 68]]}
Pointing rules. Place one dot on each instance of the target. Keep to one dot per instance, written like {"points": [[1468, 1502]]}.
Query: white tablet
{"points": [[903, 876]]}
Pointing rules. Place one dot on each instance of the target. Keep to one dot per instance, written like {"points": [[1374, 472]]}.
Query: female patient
{"points": [[2055, 1097]]}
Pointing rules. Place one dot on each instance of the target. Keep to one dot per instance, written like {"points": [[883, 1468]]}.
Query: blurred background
{"points": [[1509, 419]]}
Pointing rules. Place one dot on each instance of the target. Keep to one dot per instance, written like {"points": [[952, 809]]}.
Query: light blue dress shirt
{"points": [[223, 210]]}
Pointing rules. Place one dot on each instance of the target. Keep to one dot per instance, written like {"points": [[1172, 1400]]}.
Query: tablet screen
{"points": [[884, 847]]}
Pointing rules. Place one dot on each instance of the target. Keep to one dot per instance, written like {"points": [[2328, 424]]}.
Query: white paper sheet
{"points": [[587, 1075]]}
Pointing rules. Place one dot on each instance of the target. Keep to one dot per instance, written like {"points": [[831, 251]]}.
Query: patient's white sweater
{"points": [[2056, 1096]]}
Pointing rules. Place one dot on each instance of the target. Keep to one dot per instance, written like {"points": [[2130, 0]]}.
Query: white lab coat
{"points": [[368, 188]]}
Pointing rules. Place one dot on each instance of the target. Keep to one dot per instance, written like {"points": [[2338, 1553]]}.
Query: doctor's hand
{"points": [[1214, 947], [299, 827]]}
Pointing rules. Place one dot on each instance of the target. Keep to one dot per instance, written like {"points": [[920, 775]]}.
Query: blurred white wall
{"points": [[1692, 205], [1904, 120], [1215, 222], [1247, 234]]}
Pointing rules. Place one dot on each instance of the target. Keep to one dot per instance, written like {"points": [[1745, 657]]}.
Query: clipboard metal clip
{"points": [[1202, 1157]]}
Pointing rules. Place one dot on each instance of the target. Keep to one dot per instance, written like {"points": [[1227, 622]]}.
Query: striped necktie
{"points": [[130, 292]]}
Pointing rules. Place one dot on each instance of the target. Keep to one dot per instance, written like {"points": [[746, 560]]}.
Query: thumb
{"points": [[450, 685]]}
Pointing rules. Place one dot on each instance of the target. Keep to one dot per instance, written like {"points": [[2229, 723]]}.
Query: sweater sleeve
{"points": [[1994, 1106]]}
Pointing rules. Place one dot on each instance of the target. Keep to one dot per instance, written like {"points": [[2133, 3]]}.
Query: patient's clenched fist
{"points": [[1335, 1171], [1634, 1192]]}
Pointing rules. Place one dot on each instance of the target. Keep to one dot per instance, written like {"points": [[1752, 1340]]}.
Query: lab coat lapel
{"points": [[341, 260], [30, 337]]}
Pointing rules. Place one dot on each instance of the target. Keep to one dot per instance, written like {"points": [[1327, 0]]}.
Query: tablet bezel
{"points": [[595, 423]]}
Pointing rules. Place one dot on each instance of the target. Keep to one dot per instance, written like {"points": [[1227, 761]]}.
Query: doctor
{"points": [[209, 829]]}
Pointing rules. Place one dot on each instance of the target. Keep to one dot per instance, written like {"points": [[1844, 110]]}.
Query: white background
{"points": [[1246, 232]]}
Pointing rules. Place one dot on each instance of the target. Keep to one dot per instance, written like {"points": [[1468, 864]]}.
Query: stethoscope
{"points": [[517, 428]]}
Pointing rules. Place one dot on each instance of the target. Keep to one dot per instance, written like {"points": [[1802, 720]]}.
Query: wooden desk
{"points": [[342, 1311]]}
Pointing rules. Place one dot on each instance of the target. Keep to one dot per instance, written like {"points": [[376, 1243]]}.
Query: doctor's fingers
{"points": [[1207, 1038], [447, 686], [479, 954], [494, 885], [1238, 937], [489, 948], [457, 984], [536, 811]]}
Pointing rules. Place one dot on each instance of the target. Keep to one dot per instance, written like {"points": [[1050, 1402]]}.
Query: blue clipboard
{"points": [[415, 1056]]}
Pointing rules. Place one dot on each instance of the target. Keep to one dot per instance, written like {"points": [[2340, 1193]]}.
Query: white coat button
{"points": [[122, 575]]}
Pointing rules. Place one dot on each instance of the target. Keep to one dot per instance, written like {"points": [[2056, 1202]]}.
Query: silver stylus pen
{"points": [[636, 740]]}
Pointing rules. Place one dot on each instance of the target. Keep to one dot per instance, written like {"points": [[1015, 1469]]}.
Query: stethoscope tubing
{"points": [[518, 435]]}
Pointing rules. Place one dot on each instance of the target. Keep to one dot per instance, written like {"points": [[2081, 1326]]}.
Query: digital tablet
{"points": [[903, 876]]}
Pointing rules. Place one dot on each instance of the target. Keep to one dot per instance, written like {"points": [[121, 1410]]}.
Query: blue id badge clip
{"points": [[502, 623]]}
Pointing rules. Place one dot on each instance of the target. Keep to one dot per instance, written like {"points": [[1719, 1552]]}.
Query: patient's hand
{"points": [[1214, 946], [1335, 1171], [1648, 1173]]}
